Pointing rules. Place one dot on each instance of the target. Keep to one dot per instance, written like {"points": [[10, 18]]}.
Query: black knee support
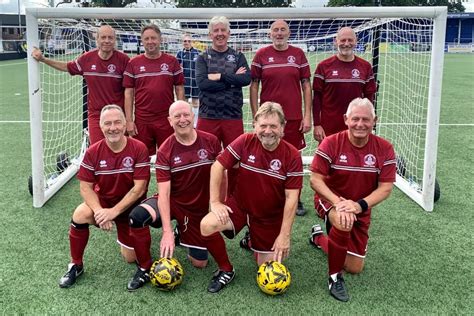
{"points": [[79, 226], [198, 254], [139, 217]]}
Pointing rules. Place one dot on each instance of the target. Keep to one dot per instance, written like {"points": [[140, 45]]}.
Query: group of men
{"points": [[214, 180]]}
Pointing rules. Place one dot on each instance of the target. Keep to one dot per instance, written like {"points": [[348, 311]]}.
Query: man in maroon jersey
{"points": [[149, 81], [114, 176], [102, 69], [352, 171], [183, 167], [284, 72], [337, 81], [270, 175]]}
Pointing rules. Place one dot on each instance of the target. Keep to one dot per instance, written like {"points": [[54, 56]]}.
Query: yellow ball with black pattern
{"points": [[166, 274], [273, 278]]}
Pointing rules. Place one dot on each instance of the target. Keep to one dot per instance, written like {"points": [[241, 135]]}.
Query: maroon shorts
{"points": [[121, 222], [225, 130], [154, 134], [189, 225], [293, 134], [95, 132], [360, 231], [262, 234]]}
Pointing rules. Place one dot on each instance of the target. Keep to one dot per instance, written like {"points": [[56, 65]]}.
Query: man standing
{"points": [[270, 176], [221, 72], [182, 170], [187, 58], [352, 172], [114, 176], [284, 72], [102, 69], [337, 81], [149, 80]]}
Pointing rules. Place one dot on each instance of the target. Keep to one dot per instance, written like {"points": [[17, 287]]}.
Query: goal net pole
{"points": [[413, 22]]}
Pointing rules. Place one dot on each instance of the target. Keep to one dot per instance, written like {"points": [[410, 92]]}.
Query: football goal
{"points": [[404, 44]]}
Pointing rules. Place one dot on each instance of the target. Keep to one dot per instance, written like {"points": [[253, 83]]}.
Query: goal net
{"points": [[404, 45]]}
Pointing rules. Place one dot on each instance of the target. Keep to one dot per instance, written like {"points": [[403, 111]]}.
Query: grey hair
{"points": [[111, 107], [359, 102], [219, 19], [269, 108]]}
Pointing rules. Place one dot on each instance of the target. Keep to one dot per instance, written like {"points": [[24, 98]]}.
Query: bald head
{"points": [[178, 106], [279, 34], [279, 23], [346, 31], [107, 29]]}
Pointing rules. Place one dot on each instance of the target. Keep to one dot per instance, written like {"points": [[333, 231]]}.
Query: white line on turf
{"points": [[13, 64], [24, 122]]}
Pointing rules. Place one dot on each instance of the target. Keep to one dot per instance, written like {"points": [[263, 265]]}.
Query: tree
{"points": [[453, 6], [232, 4], [111, 3]]}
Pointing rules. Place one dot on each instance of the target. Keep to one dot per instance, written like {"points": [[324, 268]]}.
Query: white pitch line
{"points": [[24, 122], [14, 64]]}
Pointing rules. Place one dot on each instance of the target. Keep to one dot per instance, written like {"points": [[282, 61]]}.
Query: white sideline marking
{"points": [[15, 64], [23, 122]]}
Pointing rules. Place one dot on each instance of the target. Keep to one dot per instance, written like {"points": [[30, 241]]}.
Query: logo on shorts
{"points": [[275, 164], [202, 154], [230, 58], [369, 160], [291, 59], [355, 73], [343, 158], [111, 68], [164, 67], [177, 160], [127, 162], [251, 158], [103, 164]]}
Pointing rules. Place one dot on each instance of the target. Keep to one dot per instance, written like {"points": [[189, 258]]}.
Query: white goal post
{"points": [[404, 44]]}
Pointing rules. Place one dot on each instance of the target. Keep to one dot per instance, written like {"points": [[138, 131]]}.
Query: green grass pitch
{"points": [[418, 262]]}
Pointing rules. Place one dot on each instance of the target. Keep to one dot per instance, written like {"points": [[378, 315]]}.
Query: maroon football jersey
{"points": [[113, 173], [263, 176], [153, 80], [103, 78], [280, 73], [340, 82], [352, 172], [188, 168]]}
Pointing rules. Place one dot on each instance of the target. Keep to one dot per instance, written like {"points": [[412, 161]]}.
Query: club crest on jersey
{"points": [[93, 67], [343, 158], [127, 162], [164, 67], [103, 164], [111, 68], [355, 73], [275, 165], [369, 160], [230, 58], [202, 154], [251, 159], [271, 60], [142, 68], [291, 59]]}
